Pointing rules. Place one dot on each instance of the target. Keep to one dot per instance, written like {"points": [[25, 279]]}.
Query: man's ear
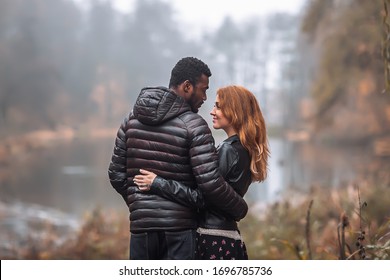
{"points": [[187, 86]]}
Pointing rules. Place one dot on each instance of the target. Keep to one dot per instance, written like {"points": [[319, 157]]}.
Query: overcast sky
{"points": [[201, 14]]}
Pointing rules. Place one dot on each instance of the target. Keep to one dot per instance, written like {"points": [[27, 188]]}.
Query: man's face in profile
{"points": [[198, 95]]}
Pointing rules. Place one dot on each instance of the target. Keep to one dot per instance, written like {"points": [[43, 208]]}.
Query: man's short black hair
{"points": [[188, 68]]}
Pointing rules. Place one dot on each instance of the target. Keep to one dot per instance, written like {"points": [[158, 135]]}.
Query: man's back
{"points": [[159, 136]]}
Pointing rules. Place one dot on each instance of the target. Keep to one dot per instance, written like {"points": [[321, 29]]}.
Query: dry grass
{"points": [[327, 224], [103, 235], [345, 223]]}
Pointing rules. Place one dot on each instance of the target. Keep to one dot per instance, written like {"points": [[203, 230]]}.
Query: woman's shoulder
{"points": [[233, 148], [229, 145], [227, 153]]}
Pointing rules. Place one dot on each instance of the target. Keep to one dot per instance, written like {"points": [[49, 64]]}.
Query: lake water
{"points": [[72, 177]]}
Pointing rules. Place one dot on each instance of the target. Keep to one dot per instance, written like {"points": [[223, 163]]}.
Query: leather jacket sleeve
{"points": [[178, 192], [117, 167]]}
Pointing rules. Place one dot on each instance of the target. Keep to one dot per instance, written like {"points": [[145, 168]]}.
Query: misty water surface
{"points": [[73, 178]]}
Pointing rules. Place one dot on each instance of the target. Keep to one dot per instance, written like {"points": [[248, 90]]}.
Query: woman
{"points": [[243, 159]]}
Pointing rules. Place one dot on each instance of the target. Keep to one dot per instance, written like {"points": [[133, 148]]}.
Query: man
{"points": [[165, 135]]}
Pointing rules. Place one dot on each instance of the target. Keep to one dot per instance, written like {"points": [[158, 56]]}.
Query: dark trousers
{"points": [[163, 245]]}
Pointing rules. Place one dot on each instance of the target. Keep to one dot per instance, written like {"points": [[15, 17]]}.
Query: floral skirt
{"points": [[213, 247]]}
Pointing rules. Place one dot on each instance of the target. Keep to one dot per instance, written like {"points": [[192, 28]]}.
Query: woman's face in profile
{"points": [[219, 120]]}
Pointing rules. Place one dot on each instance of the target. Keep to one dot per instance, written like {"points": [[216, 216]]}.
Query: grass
{"points": [[351, 222], [328, 224]]}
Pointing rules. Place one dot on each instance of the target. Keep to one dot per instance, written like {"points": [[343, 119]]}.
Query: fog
{"points": [[70, 74]]}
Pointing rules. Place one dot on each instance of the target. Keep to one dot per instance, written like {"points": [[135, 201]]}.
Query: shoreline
{"points": [[20, 148], [46, 138]]}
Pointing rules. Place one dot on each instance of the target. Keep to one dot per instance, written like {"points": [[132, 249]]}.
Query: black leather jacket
{"points": [[163, 135], [234, 165]]}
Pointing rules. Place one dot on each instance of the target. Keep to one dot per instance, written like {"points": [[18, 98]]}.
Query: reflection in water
{"points": [[73, 177]]}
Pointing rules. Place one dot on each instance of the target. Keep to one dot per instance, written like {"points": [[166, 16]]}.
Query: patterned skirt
{"points": [[219, 245]]}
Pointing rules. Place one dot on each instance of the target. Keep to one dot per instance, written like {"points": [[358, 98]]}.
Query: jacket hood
{"points": [[156, 105]]}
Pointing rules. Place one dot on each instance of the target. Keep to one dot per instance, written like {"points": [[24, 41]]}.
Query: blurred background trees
{"points": [[64, 64], [61, 64], [348, 79]]}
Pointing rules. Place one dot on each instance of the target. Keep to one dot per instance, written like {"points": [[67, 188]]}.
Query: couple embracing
{"points": [[185, 196]]}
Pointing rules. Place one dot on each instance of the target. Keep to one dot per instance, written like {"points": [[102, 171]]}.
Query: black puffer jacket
{"points": [[164, 136], [234, 165]]}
